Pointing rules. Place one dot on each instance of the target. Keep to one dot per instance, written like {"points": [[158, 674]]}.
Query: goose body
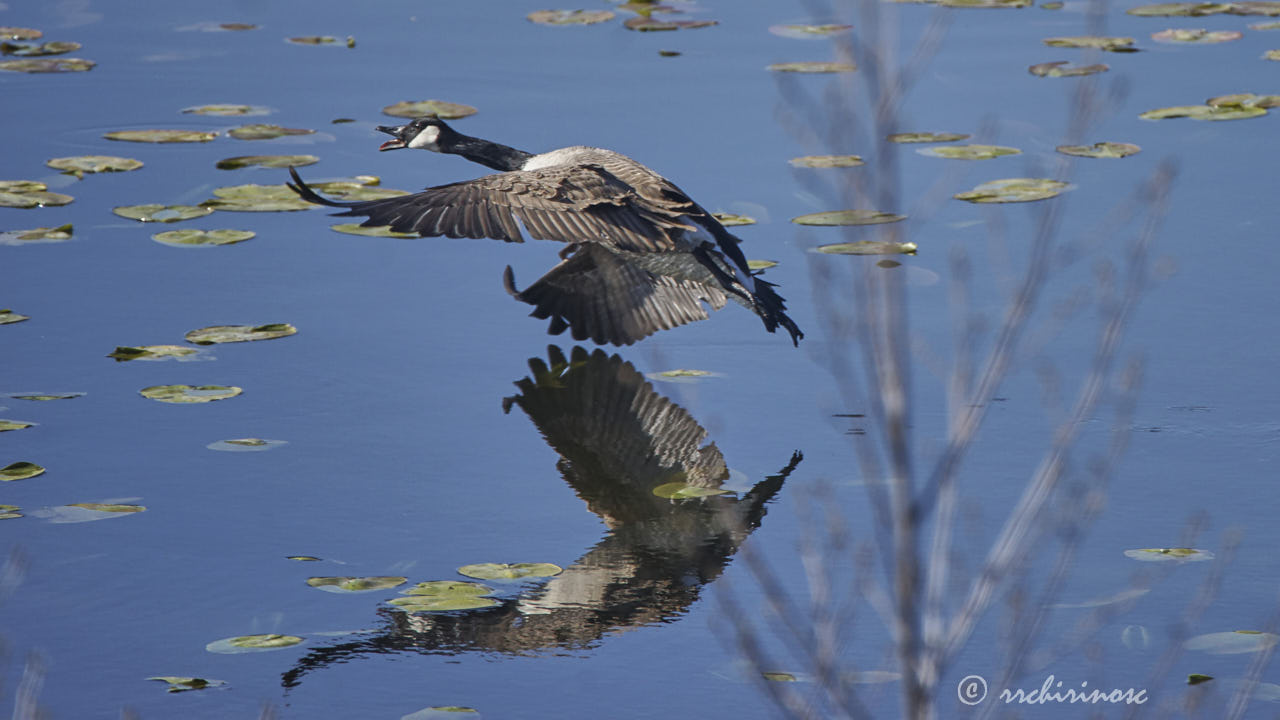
{"points": [[642, 255]]}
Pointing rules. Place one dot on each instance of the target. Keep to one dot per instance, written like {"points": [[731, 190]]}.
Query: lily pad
{"points": [[33, 198], [442, 588], [731, 220], [48, 65], [446, 603], [9, 512], [868, 247], [779, 677], [1169, 554], [1011, 190], [20, 33], [82, 164], [45, 397], [8, 316], [356, 584], [813, 67], [1054, 5], [809, 32], [227, 110], [420, 108], [504, 571], [7, 425], [22, 49], [826, 161], [184, 684], [201, 238], [848, 217], [1205, 112], [1271, 55], [190, 393], [256, 198], [1196, 36], [926, 137], [362, 190], [313, 40], [37, 235], [1110, 44], [267, 161], [685, 491], [246, 445], [969, 152], [440, 712], [161, 213], [1101, 150], [162, 136], [252, 643], [683, 373], [303, 558], [372, 231], [761, 264], [261, 131], [1062, 68], [22, 186], [569, 17], [1233, 642], [124, 353], [1180, 9], [209, 26], [985, 4], [114, 508], [21, 470], [1255, 7], [1273, 25], [644, 23], [239, 333]]}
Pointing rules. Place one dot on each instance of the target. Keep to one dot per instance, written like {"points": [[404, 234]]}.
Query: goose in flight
{"points": [[642, 255]]}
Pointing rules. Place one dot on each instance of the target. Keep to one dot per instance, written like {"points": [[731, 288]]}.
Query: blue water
{"points": [[400, 458]]}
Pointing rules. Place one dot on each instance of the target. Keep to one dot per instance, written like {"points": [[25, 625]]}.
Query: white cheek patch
{"points": [[426, 140]]}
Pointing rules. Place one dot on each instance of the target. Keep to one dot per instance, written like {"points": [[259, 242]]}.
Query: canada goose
{"points": [[643, 256]]}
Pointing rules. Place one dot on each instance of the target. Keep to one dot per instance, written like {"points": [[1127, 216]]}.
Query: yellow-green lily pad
{"points": [[1062, 68], [227, 110], [363, 189], [356, 584], [202, 238], [969, 152], [239, 333], [420, 108], [87, 512], [246, 445], [1109, 44], [371, 231], [81, 164], [826, 161], [447, 603], [985, 4], [8, 316], [303, 558], [926, 137], [1197, 36], [124, 353], [9, 512], [7, 425], [313, 40], [1205, 112], [48, 65], [1272, 25], [1054, 5], [1271, 55], [20, 470], [256, 198], [45, 397], [848, 217], [685, 491], [1233, 642], [20, 33], [23, 49], [681, 374], [441, 712], [780, 677], [190, 393], [36, 235], [761, 264], [184, 684], [262, 131], [34, 198], [505, 571], [252, 643], [1180, 9], [1011, 190], [647, 23], [22, 186], [731, 220], [813, 67], [1169, 554], [569, 17], [1101, 150], [443, 588], [162, 136], [267, 161], [868, 247], [809, 32], [210, 26], [154, 212]]}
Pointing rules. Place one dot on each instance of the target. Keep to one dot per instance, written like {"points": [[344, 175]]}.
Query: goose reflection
{"points": [[617, 439]]}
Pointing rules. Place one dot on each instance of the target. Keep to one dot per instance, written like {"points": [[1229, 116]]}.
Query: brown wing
{"points": [[600, 295]]}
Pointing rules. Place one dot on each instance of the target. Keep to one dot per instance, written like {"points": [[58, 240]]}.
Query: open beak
{"points": [[395, 143]]}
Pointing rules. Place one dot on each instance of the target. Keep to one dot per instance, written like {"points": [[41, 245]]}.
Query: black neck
{"points": [[489, 154]]}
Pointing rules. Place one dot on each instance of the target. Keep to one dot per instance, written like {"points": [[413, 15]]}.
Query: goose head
{"points": [[425, 133]]}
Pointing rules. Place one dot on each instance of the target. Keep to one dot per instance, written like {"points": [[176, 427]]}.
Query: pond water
{"points": [[423, 429]]}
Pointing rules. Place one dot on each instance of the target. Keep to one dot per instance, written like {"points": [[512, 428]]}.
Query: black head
{"points": [[425, 133]]}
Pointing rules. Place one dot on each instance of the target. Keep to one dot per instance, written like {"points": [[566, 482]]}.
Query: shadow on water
{"points": [[618, 439]]}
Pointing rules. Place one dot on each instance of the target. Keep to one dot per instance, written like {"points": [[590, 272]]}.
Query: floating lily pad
{"points": [[313, 40], [731, 220], [1110, 44], [22, 186], [9, 512], [373, 231], [218, 27], [260, 131], [190, 393], [162, 136], [246, 445], [761, 264], [444, 596], [1012, 190], [685, 491], [848, 217], [362, 190], [239, 333], [985, 4], [256, 198], [1063, 68], [267, 161], [1273, 25], [201, 238], [252, 643], [151, 352], [161, 213], [1169, 554], [356, 584], [227, 110], [684, 373], [779, 677], [37, 235], [1244, 99], [420, 108], [441, 588], [926, 137], [1101, 150], [969, 152], [22, 49], [826, 161], [303, 558], [813, 67], [20, 33], [569, 17], [184, 684], [440, 712], [809, 32], [868, 247], [48, 65], [7, 425], [26, 194], [110, 509], [1196, 36], [1271, 55], [21, 470], [504, 571], [1180, 9], [1232, 643], [45, 397], [644, 23], [1205, 112], [82, 164], [8, 316]]}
